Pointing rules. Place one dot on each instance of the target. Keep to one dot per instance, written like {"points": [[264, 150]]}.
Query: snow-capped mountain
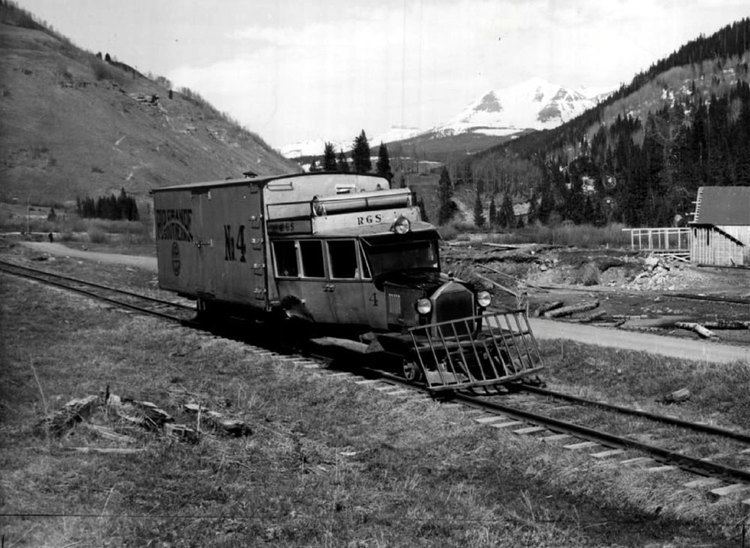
{"points": [[532, 104]]}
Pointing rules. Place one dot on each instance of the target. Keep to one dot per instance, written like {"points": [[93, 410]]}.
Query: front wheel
{"points": [[412, 371]]}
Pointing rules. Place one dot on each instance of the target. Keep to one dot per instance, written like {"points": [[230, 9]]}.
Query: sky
{"points": [[309, 69]]}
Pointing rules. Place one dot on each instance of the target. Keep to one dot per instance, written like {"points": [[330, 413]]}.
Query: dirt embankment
{"points": [[632, 291]]}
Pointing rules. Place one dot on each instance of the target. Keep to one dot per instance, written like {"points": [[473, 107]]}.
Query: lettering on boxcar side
{"points": [[174, 224], [230, 244]]}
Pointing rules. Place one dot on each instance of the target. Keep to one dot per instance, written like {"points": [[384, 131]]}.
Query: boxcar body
{"points": [[339, 251]]}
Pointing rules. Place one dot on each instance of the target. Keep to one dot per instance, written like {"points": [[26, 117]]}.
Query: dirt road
{"points": [[147, 263], [643, 342], [543, 329]]}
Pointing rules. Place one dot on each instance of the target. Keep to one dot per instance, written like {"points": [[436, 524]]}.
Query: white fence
{"points": [[661, 240]]}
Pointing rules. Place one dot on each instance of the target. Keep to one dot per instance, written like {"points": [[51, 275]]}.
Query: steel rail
{"points": [[92, 284], [34, 276], [695, 465], [705, 428]]}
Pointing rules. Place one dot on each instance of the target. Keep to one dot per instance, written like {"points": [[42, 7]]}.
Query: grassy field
{"points": [[328, 462]]}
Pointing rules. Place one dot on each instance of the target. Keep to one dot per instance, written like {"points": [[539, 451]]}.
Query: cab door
{"points": [[346, 295], [301, 281]]}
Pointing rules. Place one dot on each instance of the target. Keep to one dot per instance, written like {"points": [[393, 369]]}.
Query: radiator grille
{"points": [[455, 304]]}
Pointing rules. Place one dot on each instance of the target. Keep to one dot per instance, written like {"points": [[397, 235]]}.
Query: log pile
{"points": [[132, 416]]}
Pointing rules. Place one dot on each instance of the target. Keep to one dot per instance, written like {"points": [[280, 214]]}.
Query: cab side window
{"points": [[285, 253], [311, 252], [343, 255]]}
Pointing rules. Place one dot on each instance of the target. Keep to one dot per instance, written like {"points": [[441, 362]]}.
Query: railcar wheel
{"points": [[411, 371]]}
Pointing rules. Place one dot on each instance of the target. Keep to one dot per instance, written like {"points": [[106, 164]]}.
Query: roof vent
{"points": [[249, 174]]}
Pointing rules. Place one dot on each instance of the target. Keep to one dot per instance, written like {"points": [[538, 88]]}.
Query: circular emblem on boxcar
{"points": [[175, 259]]}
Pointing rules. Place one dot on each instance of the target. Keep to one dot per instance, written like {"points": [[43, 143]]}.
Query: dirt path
{"points": [[147, 263], [543, 329]]}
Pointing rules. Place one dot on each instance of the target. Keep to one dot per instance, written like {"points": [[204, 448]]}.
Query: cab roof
{"points": [[259, 181]]}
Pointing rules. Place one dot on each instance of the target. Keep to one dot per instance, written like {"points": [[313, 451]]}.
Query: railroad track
{"points": [[605, 444], [496, 411], [120, 297]]}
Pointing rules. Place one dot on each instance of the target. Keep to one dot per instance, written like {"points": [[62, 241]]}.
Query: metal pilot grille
{"points": [[453, 355]]}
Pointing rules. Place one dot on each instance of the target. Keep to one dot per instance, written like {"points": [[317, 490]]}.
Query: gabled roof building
{"points": [[721, 226]]}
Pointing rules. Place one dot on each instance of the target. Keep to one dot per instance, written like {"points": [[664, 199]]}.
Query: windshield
{"points": [[402, 256]]}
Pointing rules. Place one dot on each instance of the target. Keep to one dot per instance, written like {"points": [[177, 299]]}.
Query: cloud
{"points": [[329, 69]]}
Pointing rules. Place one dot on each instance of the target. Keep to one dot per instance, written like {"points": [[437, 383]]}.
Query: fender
{"points": [[292, 307]]}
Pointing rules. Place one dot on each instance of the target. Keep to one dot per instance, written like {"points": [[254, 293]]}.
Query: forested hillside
{"points": [[639, 156]]}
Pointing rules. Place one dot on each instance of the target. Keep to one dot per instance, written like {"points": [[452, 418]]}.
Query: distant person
{"points": [[51, 238]]}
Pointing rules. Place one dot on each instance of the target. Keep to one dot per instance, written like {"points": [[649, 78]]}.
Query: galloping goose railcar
{"points": [[346, 254]]}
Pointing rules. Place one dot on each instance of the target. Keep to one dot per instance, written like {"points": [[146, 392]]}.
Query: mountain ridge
{"points": [[499, 114], [73, 124]]}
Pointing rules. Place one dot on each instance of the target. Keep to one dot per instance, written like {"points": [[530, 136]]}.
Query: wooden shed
{"points": [[721, 226]]}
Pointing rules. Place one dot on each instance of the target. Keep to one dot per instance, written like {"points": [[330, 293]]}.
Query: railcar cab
{"points": [[358, 280]]}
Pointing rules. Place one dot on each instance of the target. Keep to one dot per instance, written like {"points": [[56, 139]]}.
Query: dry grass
{"points": [[564, 235], [70, 226], [420, 473], [718, 391]]}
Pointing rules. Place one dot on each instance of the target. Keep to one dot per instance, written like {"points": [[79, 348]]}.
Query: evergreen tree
{"points": [[329, 158], [52, 216], [342, 163], [383, 165], [314, 167], [493, 212], [361, 154], [505, 217], [445, 193], [533, 207], [478, 211]]}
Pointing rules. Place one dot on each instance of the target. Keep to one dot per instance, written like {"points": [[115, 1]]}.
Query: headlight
{"points": [[484, 299], [402, 225], [424, 306]]}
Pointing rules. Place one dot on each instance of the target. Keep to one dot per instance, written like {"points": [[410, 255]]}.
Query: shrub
{"points": [[588, 274], [97, 236]]}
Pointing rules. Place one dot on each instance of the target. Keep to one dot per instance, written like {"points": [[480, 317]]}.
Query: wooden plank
{"points": [[659, 469], [529, 430], [636, 461], [572, 309], [735, 489], [489, 419], [401, 392], [581, 445], [555, 438], [701, 483], [506, 424], [608, 453]]}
